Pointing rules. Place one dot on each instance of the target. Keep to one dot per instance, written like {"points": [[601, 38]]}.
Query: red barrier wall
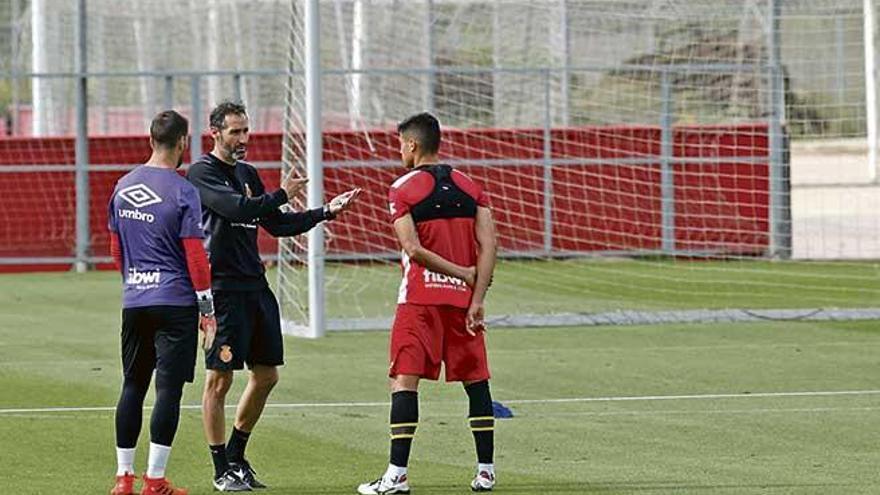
{"points": [[606, 187]]}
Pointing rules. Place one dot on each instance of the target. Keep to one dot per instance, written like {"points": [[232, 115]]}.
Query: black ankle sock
{"points": [[218, 454], [237, 443], [482, 421], [404, 419]]}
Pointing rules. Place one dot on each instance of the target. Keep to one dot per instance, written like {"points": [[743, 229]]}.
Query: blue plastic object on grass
{"points": [[501, 411]]}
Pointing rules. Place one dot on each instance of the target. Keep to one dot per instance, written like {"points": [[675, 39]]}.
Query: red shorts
{"points": [[423, 336]]}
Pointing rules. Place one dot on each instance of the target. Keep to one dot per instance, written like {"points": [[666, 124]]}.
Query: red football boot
{"points": [[160, 486], [124, 485]]}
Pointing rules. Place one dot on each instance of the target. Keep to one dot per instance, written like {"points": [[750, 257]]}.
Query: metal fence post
{"points": [[548, 168], [432, 75], [236, 87], [565, 32], [169, 92], [780, 186], [667, 173], [195, 146], [871, 118], [42, 97], [15, 48], [82, 143], [840, 59]]}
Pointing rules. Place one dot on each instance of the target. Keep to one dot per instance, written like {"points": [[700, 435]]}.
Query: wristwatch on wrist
{"points": [[328, 214]]}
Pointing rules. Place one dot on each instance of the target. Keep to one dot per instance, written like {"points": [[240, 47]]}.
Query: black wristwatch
{"points": [[328, 215]]}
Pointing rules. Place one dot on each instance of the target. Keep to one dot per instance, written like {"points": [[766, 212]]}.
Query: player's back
{"points": [[151, 210], [443, 203]]}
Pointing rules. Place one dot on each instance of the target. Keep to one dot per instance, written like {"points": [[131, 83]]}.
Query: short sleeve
{"points": [[190, 213], [111, 213], [397, 205], [482, 198], [471, 188]]}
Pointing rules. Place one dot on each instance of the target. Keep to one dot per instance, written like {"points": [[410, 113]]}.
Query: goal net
{"points": [[647, 160], [637, 155]]}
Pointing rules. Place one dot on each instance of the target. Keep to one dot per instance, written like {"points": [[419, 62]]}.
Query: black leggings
{"points": [[166, 411]]}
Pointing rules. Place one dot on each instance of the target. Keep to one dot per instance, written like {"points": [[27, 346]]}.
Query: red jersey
{"points": [[443, 203]]}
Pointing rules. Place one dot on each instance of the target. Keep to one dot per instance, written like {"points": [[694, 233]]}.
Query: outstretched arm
{"points": [[291, 223], [217, 194], [486, 255], [284, 224], [408, 237]]}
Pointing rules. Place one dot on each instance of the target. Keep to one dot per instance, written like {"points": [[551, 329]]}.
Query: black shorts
{"points": [[248, 330], [164, 338]]}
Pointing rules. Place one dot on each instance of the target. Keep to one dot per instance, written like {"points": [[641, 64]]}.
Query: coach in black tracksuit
{"points": [[234, 204]]}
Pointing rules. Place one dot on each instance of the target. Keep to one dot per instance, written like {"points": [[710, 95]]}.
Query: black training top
{"points": [[230, 218]]}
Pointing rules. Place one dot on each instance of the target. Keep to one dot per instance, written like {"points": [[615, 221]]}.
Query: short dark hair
{"points": [[424, 128], [168, 127], [228, 107]]}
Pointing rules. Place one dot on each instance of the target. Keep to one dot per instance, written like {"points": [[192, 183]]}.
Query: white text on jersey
{"points": [[136, 215], [439, 278], [143, 280]]}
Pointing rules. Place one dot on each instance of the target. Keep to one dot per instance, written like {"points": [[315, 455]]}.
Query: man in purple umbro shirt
{"points": [[156, 240], [155, 208]]}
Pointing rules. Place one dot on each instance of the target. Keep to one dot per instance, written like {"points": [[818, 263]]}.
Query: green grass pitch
{"points": [[578, 285], [59, 348]]}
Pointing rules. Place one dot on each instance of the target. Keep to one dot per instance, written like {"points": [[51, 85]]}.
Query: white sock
{"points": [[394, 472], [124, 461], [489, 468], [158, 460]]}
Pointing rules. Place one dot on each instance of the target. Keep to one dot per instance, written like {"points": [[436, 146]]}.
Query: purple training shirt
{"points": [[151, 210]]}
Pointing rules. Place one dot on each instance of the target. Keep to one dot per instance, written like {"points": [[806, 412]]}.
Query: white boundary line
{"points": [[686, 412], [315, 405], [746, 395], [662, 412]]}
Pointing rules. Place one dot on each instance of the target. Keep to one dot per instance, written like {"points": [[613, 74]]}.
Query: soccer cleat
{"points": [[124, 485], [244, 471], [230, 481], [483, 482], [160, 486], [385, 486]]}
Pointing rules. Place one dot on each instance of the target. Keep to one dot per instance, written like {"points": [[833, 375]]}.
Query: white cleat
{"points": [[484, 481], [385, 486], [230, 481]]}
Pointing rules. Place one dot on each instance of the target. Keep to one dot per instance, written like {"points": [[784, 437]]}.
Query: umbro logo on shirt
{"points": [[139, 196], [136, 215]]}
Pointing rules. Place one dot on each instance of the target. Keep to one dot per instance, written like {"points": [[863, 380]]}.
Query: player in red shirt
{"points": [[444, 226]]}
